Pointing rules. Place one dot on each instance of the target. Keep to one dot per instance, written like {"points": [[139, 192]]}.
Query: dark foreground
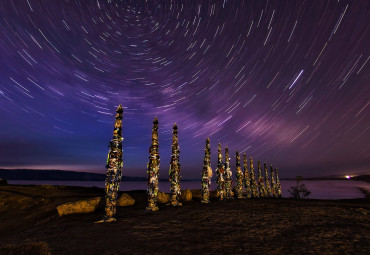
{"points": [[29, 224]]}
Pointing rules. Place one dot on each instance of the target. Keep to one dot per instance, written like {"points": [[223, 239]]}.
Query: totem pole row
{"points": [[244, 179], [264, 187], [224, 174]]}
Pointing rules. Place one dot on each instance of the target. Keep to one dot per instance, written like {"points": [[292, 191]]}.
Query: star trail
{"points": [[286, 82]]}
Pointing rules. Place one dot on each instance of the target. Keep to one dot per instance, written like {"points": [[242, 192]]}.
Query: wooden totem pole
{"points": [[228, 176], [153, 170], [267, 180], [206, 174], [239, 177], [220, 174], [278, 185], [253, 180], [261, 184], [114, 169], [175, 170], [273, 182], [247, 178]]}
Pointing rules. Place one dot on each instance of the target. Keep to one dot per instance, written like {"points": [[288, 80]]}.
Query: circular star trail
{"points": [[286, 82]]}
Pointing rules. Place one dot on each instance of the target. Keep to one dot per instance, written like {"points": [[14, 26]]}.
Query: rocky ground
{"points": [[29, 224]]}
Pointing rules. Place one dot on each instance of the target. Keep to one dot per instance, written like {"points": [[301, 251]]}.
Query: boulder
{"points": [[196, 193], [163, 198], [82, 206], [125, 200], [3, 181], [186, 195]]}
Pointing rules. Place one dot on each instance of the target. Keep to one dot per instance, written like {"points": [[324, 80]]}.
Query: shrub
{"points": [[299, 191]]}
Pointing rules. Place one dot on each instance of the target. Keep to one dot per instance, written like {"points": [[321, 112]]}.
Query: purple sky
{"points": [[287, 82]]}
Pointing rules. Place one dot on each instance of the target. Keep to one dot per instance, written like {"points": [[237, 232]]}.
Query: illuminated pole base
{"points": [[248, 193], [205, 194], [239, 194], [106, 220], [175, 202], [228, 193], [221, 195], [205, 197], [152, 207]]}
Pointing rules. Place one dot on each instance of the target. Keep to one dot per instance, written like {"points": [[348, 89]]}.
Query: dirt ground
{"points": [[29, 224]]}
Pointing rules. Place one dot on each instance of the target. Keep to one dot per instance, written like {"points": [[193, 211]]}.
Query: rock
{"points": [[3, 181], [82, 206], [163, 198], [196, 193], [125, 200], [186, 195]]}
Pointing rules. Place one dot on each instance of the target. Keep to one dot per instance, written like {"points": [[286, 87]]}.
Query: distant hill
{"points": [[57, 175], [364, 178]]}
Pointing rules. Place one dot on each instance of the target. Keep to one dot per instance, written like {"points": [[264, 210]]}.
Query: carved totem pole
{"points": [[228, 175], [114, 169], [175, 170], [267, 180], [278, 185], [153, 170], [220, 174], [206, 174], [247, 178], [239, 177], [253, 180], [261, 184], [273, 182]]}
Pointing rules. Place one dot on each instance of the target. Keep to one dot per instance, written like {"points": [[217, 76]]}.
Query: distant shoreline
{"points": [[62, 175], [364, 178]]}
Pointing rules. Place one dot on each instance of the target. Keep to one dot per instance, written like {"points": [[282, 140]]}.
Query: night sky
{"points": [[287, 82]]}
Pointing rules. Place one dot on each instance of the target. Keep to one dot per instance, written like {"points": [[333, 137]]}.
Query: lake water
{"points": [[326, 189]]}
